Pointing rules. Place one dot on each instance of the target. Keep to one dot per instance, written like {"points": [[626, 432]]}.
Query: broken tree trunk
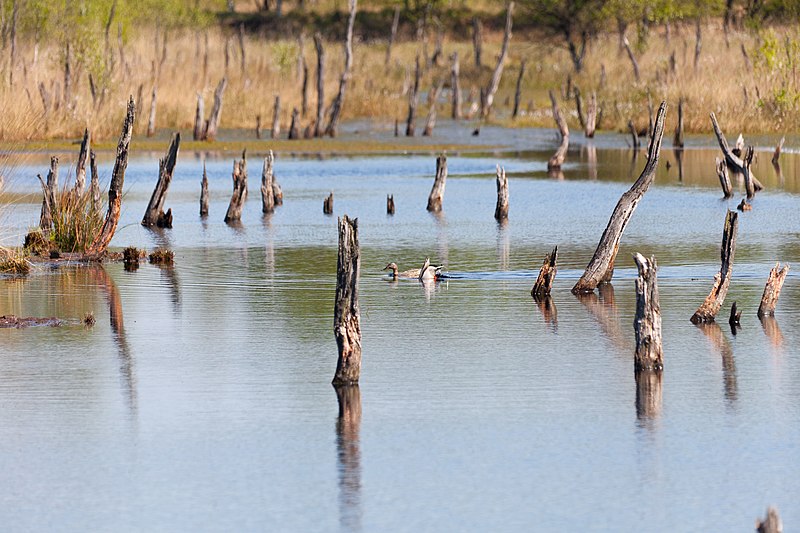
{"points": [[338, 102], [634, 136], [772, 290], [100, 243], [627, 46], [80, 166], [436, 196], [234, 213], [320, 84], [94, 185], [346, 314], [455, 85], [154, 215], [724, 179], [518, 90], [258, 126], [199, 132], [413, 98], [591, 116], [327, 204], [390, 204], [392, 35], [558, 158], [731, 158], [677, 140], [430, 123], [151, 123], [204, 193], [277, 193], [501, 209], [579, 107], [494, 84], [49, 198], [267, 193], [749, 185], [772, 522], [294, 127], [647, 324], [477, 40], [547, 274], [601, 268], [276, 119], [216, 111], [711, 306]]}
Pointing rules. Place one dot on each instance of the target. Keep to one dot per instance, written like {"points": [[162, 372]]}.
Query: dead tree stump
{"points": [[239, 195], [601, 267], [413, 98], [346, 314], [320, 84], [258, 126], [338, 102], [547, 274], [436, 197], [732, 157], [80, 166], [50, 195], [772, 522], [647, 324], [154, 215], [455, 86], [94, 185], [327, 204], [477, 41], [151, 123], [677, 140], [772, 290], [390, 204], [216, 111], [591, 116], [204, 193], [294, 127], [267, 193], [199, 132], [102, 239], [518, 89], [501, 209], [634, 136], [276, 119], [277, 193], [579, 107], [724, 178], [634, 63], [558, 158], [430, 123], [494, 83], [713, 302]]}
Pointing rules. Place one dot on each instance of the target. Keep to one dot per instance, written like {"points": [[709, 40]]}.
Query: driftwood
{"points": [[547, 274], [276, 119], [49, 195], [647, 324], [430, 123], [320, 84], [591, 116], [216, 111], [501, 209], [413, 99], [477, 40], [101, 241], [267, 192], [733, 157], [346, 314], [518, 90], [390, 204], [234, 213], [436, 197], [455, 86], [494, 83], [94, 184], [204, 193], [558, 158], [151, 122], [338, 102], [80, 166], [772, 290], [601, 268], [294, 127], [154, 215], [772, 522], [199, 132], [677, 140], [707, 312], [724, 179], [327, 204], [635, 65]]}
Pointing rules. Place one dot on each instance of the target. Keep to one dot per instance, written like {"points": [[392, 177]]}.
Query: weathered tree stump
{"points": [[338, 102], [199, 132], [494, 83], [558, 158], [267, 193], [634, 136], [80, 166], [277, 192], [239, 195], [744, 205], [430, 123], [724, 178], [151, 122], [204, 193], [772, 522], [327, 204], [413, 99], [346, 314], [320, 84], [547, 275], [101, 241], [647, 324], [294, 127], [579, 107], [276, 119], [436, 197], [772, 290], [392, 35], [390, 204], [591, 116], [49, 196], [477, 41], [455, 86], [501, 208], [304, 91], [732, 156], [258, 126], [735, 319], [518, 89], [154, 214], [707, 312], [677, 140], [634, 63], [216, 111], [601, 267], [94, 185]]}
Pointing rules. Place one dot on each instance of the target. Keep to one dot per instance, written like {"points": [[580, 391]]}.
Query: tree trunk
{"points": [[413, 99], [577, 53], [267, 193], [346, 314], [724, 179], [634, 136], [276, 119], [336, 107], [101, 241], [304, 101], [327, 204], [591, 116], [154, 215], [772, 522], [436, 196], [501, 209], [277, 193], [677, 141], [94, 187], [50, 196], [772, 290], [234, 213], [698, 43], [494, 84], [601, 268], [707, 312], [199, 132], [294, 128], [455, 84], [547, 274], [733, 160], [632, 58], [477, 40], [518, 90], [579, 107], [216, 111], [430, 123], [392, 35], [320, 84], [390, 204], [151, 123], [204, 193], [80, 166], [647, 324], [558, 158]]}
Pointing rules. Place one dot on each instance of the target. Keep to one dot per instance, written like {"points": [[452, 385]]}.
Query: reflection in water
{"points": [[778, 172], [648, 396], [503, 245], [632, 168], [161, 237], [171, 275], [603, 309], [679, 161], [269, 250], [348, 425], [429, 286], [772, 330], [549, 312], [443, 248], [591, 159], [714, 333], [556, 174]]}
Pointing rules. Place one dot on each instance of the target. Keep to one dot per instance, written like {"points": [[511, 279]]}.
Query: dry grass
{"points": [[14, 261], [75, 223], [758, 98]]}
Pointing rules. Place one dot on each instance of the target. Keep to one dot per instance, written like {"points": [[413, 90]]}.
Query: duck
{"points": [[414, 273], [429, 272]]}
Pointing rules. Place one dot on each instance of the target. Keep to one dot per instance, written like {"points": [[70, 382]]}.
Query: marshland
{"points": [[167, 369]]}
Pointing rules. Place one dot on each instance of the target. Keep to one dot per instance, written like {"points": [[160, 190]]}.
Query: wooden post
{"points": [[494, 84], [501, 209], [647, 324], [547, 274], [390, 204], [204, 193], [724, 179], [477, 40], [732, 158], [413, 98], [772, 290], [635, 65], [677, 140], [338, 102], [392, 35], [591, 116], [80, 166], [294, 127], [199, 132], [772, 522], [455, 85], [94, 187], [216, 111], [713, 302], [346, 314], [50, 196], [437, 191], [634, 136], [267, 194], [327, 204], [518, 90], [154, 215], [558, 158], [101, 240], [320, 84], [276, 118], [601, 268], [430, 123], [234, 213], [151, 123]]}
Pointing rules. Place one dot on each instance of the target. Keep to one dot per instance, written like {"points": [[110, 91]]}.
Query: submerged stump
{"points": [[346, 313], [647, 324], [707, 312], [154, 214], [547, 274], [327, 204], [772, 290], [267, 191], [390, 204], [558, 158], [436, 197], [204, 193], [501, 209], [239, 195]]}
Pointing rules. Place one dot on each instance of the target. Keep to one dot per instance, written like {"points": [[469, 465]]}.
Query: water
{"points": [[201, 399]]}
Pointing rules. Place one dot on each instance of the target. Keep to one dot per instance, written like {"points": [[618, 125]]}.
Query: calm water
{"points": [[201, 399]]}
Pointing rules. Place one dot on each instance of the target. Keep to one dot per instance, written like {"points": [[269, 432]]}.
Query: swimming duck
{"points": [[429, 272], [415, 273]]}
